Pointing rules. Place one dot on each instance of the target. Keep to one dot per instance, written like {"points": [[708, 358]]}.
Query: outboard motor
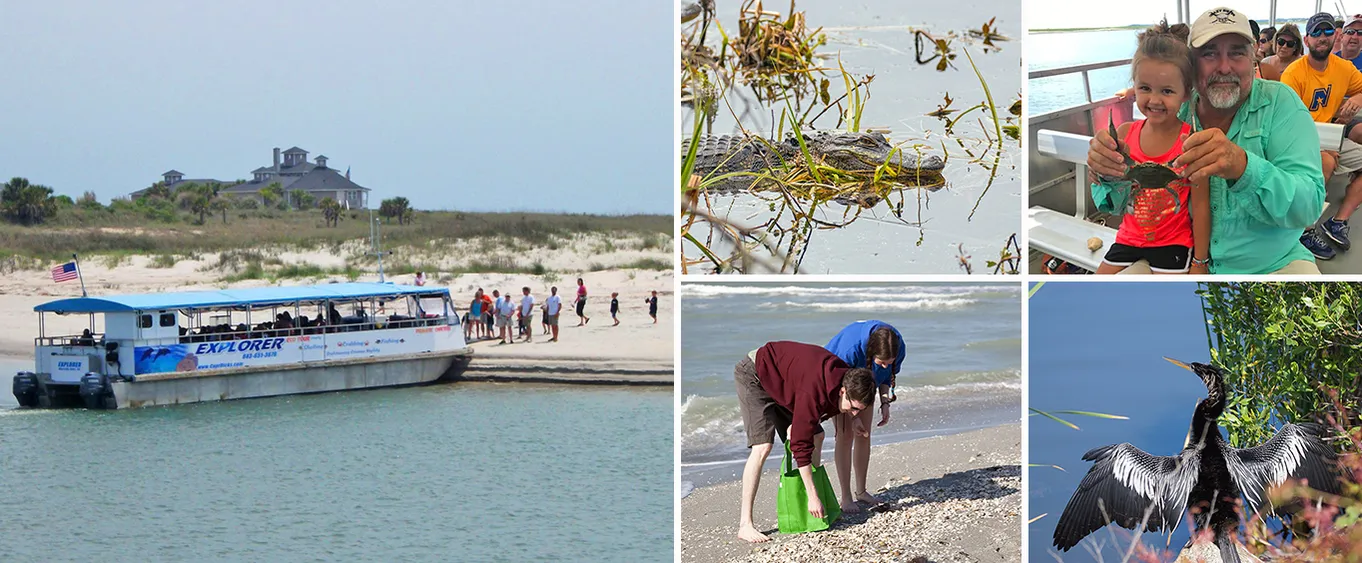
{"points": [[26, 389], [96, 391]]}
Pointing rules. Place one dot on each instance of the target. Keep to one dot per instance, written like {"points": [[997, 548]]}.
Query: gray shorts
{"points": [[1349, 158], [551, 320], [761, 416]]}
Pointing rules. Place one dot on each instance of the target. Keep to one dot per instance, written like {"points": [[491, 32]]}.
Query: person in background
{"points": [[1287, 48], [527, 314], [581, 303], [1266, 47], [615, 307], [1350, 47], [552, 306], [652, 307], [475, 314], [420, 278], [488, 313]]}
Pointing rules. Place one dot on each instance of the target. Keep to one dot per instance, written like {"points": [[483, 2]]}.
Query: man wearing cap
{"points": [[1350, 46], [1253, 143], [793, 386], [1329, 85]]}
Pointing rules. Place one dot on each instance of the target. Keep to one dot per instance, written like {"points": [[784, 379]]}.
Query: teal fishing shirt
{"points": [[1257, 221]]}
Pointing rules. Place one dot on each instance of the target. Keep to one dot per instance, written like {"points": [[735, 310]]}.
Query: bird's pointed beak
{"points": [[1179, 364]]}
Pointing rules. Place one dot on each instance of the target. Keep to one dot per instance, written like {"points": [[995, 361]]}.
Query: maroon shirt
{"points": [[804, 378]]}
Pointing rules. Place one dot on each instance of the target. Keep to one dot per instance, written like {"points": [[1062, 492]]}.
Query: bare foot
{"points": [[868, 498], [849, 507], [752, 535]]}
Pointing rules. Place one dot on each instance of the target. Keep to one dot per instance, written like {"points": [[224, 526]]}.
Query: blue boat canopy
{"points": [[259, 296]]}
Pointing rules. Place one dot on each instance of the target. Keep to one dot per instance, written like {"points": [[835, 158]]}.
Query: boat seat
{"points": [[1066, 237]]}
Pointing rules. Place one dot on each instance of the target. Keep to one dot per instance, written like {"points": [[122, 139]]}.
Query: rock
{"points": [[1094, 243]]}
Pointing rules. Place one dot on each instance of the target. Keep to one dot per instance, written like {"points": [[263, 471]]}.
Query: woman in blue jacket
{"points": [[879, 346]]}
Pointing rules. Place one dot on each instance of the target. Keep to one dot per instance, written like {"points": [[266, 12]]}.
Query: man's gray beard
{"points": [[1226, 98]]}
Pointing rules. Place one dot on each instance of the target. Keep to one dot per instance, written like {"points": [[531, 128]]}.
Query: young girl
{"points": [[878, 346], [1172, 235], [615, 307]]}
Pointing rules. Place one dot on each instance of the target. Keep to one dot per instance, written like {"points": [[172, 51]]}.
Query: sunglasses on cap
{"points": [[1325, 32]]}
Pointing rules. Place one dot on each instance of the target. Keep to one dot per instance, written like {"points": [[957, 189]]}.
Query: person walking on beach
{"points": [[552, 306], [789, 388], [652, 306], [877, 346], [527, 314], [615, 307], [581, 303]]}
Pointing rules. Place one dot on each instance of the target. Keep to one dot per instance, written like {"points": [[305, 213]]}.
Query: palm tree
{"points": [[221, 204], [397, 207], [26, 203], [272, 194], [331, 211]]}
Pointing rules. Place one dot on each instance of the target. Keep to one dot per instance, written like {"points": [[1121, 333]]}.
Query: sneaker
{"points": [[1337, 231], [1316, 244]]}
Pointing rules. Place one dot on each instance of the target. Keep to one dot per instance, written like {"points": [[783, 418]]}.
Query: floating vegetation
{"points": [[807, 182]]}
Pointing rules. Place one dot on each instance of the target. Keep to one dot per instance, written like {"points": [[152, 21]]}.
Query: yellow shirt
{"points": [[1323, 92]]}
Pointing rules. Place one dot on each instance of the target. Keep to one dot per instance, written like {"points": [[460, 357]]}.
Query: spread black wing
{"points": [[1125, 486], [1296, 452]]}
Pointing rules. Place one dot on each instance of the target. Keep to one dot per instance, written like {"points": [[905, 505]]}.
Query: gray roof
{"points": [[325, 180], [263, 169], [172, 171], [295, 149], [297, 169], [254, 186]]}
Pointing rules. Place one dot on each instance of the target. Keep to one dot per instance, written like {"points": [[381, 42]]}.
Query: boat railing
{"points": [[1044, 170], [71, 340]]}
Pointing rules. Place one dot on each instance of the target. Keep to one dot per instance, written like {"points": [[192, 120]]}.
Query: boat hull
{"points": [[263, 381]]}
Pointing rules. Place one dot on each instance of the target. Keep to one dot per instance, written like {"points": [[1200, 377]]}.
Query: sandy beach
{"points": [[948, 499], [635, 351]]}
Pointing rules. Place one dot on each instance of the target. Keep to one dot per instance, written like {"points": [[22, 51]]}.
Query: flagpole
{"points": [[82, 278]]}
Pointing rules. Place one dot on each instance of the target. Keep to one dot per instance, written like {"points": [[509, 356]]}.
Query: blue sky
{"points": [[1065, 13], [543, 105]]}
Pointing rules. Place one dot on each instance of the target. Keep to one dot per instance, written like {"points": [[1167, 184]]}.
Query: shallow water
{"points": [[962, 368], [1117, 369], [472, 472], [875, 38]]}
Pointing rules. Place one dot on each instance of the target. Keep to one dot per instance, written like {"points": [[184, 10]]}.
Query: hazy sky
{"points": [[1066, 13], [542, 105]]}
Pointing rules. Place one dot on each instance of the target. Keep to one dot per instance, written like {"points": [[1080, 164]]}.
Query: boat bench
{"points": [[1066, 236]]}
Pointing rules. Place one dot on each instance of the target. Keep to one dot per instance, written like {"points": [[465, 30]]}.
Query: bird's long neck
{"points": [[1208, 411]]}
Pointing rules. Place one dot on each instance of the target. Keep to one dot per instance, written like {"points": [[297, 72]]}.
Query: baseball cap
{"points": [[1218, 21], [1319, 20], [1355, 18]]}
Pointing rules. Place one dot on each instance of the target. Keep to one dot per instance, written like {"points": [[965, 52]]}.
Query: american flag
{"points": [[64, 272]]}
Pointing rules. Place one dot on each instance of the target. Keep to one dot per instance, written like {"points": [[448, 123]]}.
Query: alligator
{"points": [[856, 153]]}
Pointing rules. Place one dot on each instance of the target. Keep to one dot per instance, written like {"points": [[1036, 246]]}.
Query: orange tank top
{"points": [[1149, 219]]}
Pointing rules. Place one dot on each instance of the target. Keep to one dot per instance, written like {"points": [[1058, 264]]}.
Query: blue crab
{"points": [[1146, 174]]}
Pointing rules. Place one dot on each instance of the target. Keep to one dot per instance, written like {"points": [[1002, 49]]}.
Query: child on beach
{"points": [[1171, 233], [652, 307], [615, 307]]}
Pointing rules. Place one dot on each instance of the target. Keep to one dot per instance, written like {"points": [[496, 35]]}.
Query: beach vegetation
{"points": [[27, 203], [396, 208], [163, 261], [331, 211]]}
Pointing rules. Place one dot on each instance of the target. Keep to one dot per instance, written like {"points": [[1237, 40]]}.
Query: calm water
{"points": [[1053, 50], [467, 472], [962, 371], [873, 37], [1118, 369]]}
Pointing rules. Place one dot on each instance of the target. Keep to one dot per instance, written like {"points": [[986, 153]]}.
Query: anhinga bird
{"points": [[1140, 491]]}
